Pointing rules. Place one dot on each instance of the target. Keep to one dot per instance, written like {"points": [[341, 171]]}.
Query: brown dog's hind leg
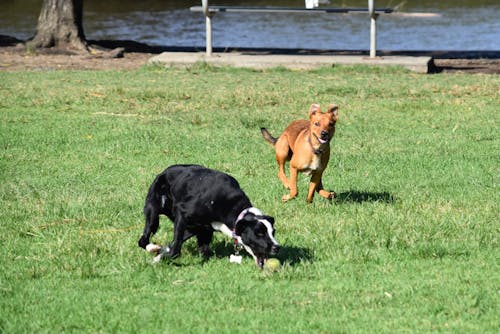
{"points": [[282, 155], [282, 175], [293, 185]]}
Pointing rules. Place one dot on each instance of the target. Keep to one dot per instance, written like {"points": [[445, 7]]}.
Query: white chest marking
{"points": [[313, 165], [222, 228]]}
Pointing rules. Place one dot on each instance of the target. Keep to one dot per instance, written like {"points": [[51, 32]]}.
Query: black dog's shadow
{"points": [[287, 254], [291, 254], [354, 196]]}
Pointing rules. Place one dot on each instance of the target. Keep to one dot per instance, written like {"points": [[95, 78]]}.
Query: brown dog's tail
{"points": [[267, 136]]}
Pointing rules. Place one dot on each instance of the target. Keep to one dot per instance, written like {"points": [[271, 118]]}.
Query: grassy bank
{"points": [[409, 245]]}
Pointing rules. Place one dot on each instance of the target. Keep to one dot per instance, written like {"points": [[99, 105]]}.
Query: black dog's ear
{"points": [[269, 219], [251, 217], [242, 224], [248, 217]]}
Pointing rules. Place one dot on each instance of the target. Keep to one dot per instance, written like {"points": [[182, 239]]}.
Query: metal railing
{"points": [[209, 12]]}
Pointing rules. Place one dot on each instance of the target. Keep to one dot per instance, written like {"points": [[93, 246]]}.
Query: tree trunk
{"points": [[60, 25]]}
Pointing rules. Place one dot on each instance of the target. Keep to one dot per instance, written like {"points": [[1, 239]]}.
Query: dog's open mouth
{"points": [[321, 141], [260, 261]]}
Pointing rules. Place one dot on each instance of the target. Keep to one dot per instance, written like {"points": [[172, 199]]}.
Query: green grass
{"points": [[409, 245]]}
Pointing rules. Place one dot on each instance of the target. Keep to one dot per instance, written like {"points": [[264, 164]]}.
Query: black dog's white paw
{"points": [[157, 258], [153, 249], [158, 251]]}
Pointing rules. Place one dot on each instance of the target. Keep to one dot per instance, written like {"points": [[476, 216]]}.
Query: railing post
{"points": [[208, 27], [373, 29]]}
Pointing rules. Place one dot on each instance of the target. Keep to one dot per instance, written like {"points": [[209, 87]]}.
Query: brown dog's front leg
{"points": [[313, 185], [317, 185], [326, 194]]}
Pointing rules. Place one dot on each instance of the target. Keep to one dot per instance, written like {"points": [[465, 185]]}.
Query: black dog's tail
{"points": [[267, 136]]}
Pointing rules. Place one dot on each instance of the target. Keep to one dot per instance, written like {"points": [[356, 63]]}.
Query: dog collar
{"points": [[238, 219], [240, 216], [237, 245], [317, 151]]}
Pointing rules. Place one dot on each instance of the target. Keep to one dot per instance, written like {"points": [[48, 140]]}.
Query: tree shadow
{"points": [[354, 196]]}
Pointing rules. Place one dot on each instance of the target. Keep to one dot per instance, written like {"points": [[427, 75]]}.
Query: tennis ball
{"points": [[272, 264]]}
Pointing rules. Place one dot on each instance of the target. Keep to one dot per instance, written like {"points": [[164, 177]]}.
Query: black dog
{"points": [[200, 201]]}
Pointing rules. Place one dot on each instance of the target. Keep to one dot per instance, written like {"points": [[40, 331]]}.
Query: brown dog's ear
{"points": [[314, 109], [334, 109]]}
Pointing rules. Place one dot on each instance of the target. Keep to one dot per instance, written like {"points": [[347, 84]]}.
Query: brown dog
{"points": [[307, 145]]}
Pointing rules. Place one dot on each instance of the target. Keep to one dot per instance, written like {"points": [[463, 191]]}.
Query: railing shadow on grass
{"points": [[355, 196]]}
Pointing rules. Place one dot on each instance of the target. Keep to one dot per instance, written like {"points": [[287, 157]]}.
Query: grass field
{"points": [[411, 244]]}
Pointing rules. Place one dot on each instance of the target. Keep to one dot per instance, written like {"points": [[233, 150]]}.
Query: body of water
{"points": [[462, 25]]}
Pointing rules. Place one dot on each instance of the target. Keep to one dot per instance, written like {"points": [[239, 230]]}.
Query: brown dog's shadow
{"points": [[294, 255], [354, 196]]}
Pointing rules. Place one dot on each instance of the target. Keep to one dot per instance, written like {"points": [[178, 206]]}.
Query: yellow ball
{"points": [[272, 264]]}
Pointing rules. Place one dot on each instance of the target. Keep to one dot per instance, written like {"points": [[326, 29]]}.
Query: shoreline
{"points": [[15, 57]]}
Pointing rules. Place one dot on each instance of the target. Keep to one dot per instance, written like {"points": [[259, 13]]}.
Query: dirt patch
{"points": [[18, 59], [488, 66]]}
